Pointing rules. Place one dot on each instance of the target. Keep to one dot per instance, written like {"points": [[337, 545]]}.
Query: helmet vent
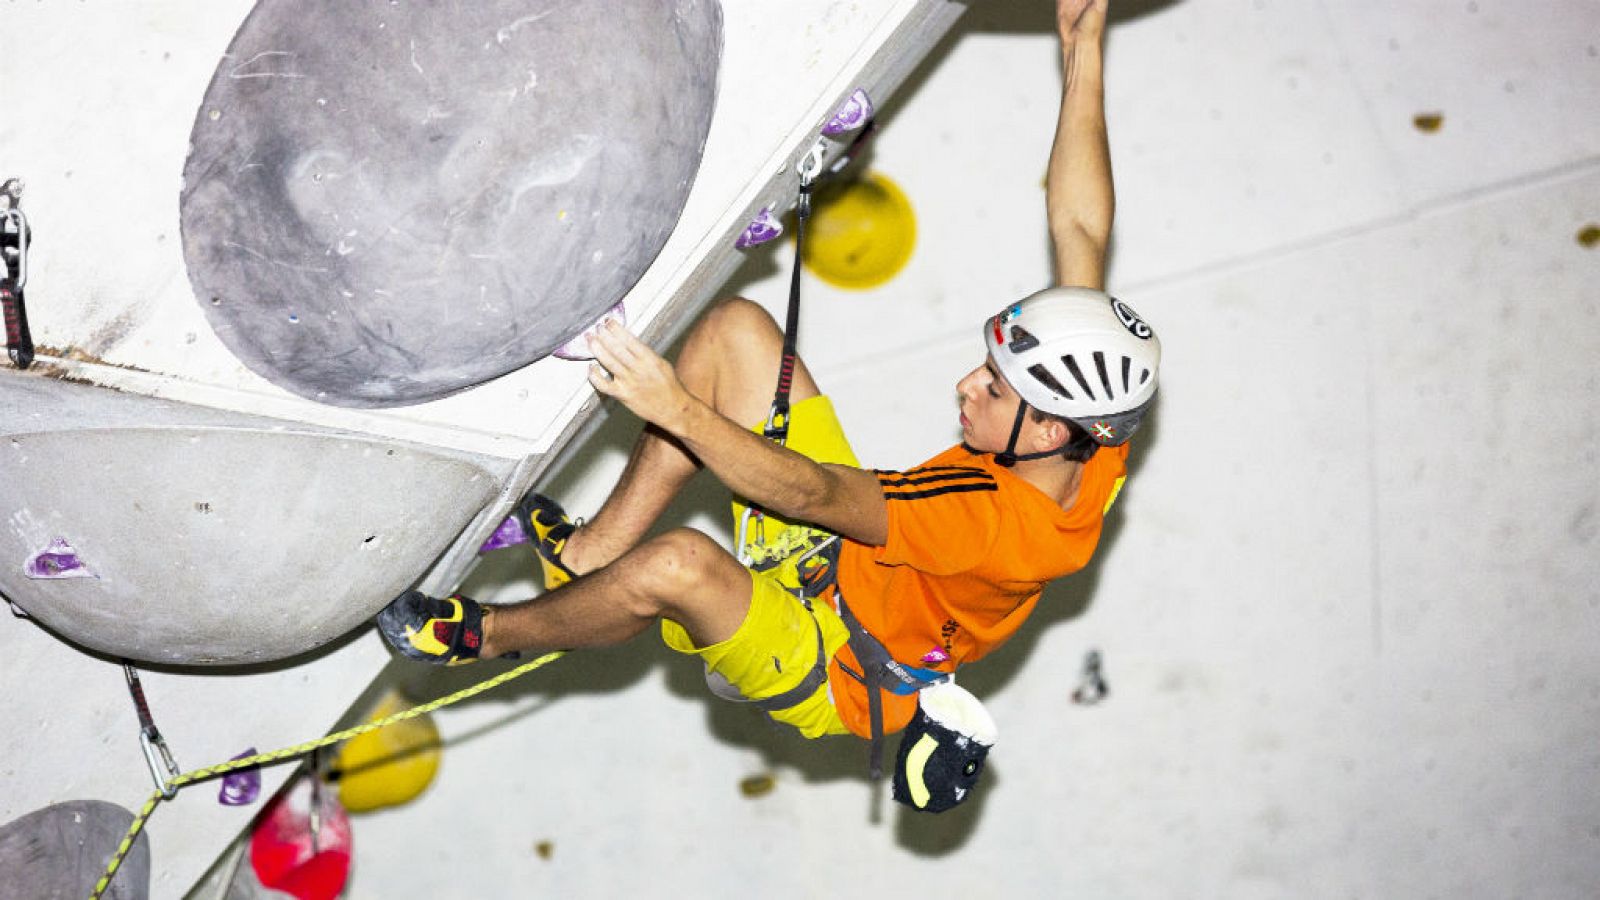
{"points": [[1144, 376], [1077, 373], [1105, 380], [1048, 380], [1127, 369]]}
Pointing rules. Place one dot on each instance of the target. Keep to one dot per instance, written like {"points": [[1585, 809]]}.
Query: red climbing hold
{"points": [[284, 854]]}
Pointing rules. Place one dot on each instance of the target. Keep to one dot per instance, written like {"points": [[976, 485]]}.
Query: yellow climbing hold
{"points": [[389, 766], [861, 232]]}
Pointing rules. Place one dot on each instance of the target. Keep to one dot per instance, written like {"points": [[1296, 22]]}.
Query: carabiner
{"points": [[746, 558], [11, 217], [157, 756], [810, 165]]}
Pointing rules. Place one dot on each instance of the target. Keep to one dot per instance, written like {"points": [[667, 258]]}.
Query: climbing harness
{"points": [[817, 571], [880, 672], [941, 755], [14, 240], [944, 746], [168, 789], [156, 754]]}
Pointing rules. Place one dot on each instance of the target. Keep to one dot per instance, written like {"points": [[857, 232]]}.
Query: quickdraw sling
{"points": [[14, 239]]}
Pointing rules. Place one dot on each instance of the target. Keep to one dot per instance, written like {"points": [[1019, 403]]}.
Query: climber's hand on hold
{"points": [[627, 369]]}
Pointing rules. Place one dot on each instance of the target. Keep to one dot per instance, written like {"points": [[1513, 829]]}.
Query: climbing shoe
{"points": [[548, 528], [447, 632]]}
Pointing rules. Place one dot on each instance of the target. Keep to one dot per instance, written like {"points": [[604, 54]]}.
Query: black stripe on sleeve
{"points": [[933, 476], [922, 469], [940, 491]]}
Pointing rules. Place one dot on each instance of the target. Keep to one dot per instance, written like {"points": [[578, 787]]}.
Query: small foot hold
{"points": [[578, 347], [58, 560], [241, 788], [509, 534], [763, 228], [854, 112]]}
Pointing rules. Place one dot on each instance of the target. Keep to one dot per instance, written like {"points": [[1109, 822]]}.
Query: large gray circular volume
{"points": [[62, 851], [388, 203]]}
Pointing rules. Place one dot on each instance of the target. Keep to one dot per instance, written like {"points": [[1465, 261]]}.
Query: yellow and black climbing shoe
{"points": [[443, 632], [548, 528]]}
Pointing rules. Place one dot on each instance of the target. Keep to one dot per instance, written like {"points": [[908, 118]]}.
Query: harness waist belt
{"points": [[877, 668]]}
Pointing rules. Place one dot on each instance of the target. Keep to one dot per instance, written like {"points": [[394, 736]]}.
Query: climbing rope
{"points": [[170, 789]]}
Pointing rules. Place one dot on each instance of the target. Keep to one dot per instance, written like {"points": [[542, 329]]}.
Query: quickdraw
{"points": [[776, 427], [156, 755], [14, 240]]}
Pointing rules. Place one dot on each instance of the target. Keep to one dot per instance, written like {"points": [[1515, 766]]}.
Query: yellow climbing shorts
{"points": [[774, 650], [776, 645]]}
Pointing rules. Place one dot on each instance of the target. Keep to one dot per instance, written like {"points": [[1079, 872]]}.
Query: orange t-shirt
{"points": [[970, 547]]}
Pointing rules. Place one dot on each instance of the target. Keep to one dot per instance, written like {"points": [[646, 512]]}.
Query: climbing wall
{"points": [[285, 367], [1346, 604]]}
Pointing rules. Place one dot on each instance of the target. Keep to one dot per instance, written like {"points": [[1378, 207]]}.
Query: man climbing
{"points": [[935, 566]]}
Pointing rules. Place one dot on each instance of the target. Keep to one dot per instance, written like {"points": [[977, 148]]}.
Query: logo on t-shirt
{"points": [[947, 637]]}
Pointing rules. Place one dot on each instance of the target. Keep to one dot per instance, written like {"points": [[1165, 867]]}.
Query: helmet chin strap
{"points": [[1011, 457]]}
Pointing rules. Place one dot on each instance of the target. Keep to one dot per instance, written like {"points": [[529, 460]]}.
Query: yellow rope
{"points": [[277, 756]]}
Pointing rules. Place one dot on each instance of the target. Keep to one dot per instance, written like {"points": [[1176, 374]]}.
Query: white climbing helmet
{"points": [[1078, 353]]}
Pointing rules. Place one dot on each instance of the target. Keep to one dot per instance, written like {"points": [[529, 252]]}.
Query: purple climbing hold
{"points": [[851, 114], [241, 788], [578, 347], [509, 534], [761, 229], [58, 560]]}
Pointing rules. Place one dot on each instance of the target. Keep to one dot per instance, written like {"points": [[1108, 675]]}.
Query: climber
{"points": [[936, 565]]}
